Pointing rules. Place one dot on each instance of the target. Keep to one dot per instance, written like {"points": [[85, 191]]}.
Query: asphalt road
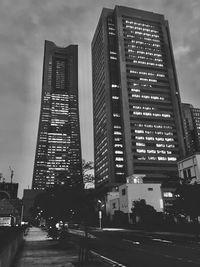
{"points": [[140, 249]]}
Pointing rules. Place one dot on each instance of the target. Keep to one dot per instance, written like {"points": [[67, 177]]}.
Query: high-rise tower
{"points": [[138, 127], [58, 152], [192, 127]]}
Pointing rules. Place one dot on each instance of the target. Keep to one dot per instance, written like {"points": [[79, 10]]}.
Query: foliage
{"points": [[143, 211], [87, 165], [187, 200], [63, 203]]}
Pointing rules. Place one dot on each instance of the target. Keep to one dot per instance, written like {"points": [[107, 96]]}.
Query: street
{"points": [[141, 249]]}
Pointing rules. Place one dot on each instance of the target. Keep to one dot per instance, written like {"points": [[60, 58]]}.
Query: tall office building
{"points": [[58, 152], [192, 127], [138, 126]]}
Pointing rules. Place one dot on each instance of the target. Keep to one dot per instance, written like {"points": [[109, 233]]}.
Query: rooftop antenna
{"points": [[11, 174]]}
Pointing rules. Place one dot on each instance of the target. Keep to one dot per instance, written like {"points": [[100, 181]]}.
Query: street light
{"points": [[100, 213]]}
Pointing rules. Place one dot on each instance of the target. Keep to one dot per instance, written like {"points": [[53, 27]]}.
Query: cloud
{"points": [[25, 24], [181, 51]]}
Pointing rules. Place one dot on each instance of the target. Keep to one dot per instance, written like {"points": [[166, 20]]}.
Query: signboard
{"points": [[5, 221]]}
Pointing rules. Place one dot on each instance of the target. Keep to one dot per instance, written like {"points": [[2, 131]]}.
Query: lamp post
{"points": [[100, 213]]}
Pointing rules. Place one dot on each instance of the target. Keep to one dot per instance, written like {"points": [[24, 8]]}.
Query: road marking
{"points": [[131, 241], [162, 255], [162, 240], [117, 264]]}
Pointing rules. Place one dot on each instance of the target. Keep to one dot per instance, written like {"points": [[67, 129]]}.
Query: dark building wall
{"points": [[138, 125], [8, 190], [192, 127], [58, 152]]}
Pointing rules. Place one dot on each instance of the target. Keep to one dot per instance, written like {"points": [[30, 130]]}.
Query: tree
{"points": [[142, 211], [187, 202], [86, 167], [63, 203]]}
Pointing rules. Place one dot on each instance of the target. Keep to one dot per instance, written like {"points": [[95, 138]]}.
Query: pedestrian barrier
{"points": [[87, 256], [8, 253]]}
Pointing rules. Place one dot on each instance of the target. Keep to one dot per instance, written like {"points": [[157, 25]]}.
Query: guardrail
{"points": [[86, 255], [8, 253], [106, 260]]}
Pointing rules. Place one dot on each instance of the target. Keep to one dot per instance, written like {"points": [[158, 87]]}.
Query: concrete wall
{"points": [[110, 196], [114, 205], [191, 163], [8, 254], [131, 192]]}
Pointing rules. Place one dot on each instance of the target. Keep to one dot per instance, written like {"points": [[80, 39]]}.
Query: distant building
{"points": [[192, 127], [8, 190], [58, 153], [138, 125], [189, 168], [29, 197], [11, 208]]}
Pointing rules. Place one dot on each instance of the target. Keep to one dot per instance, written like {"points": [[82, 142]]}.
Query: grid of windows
{"points": [[58, 152], [135, 97], [149, 93]]}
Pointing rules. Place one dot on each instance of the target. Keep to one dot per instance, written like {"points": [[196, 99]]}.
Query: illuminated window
{"points": [[137, 113], [141, 150], [116, 115], [151, 151], [139, 131], [119, 165], [160, 145], [159, 139], [152, 158], [149, 138], [172, 158], [161, 151], [169, 139], [117, 133], [141, 158], [118, 152], [118, 145], [140, 144], [162, 158], [139, 137], [115, 86], [168, 194], [119, 159]]}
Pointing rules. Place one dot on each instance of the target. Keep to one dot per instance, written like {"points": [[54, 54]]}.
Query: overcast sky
{"points": [[25, 24]]}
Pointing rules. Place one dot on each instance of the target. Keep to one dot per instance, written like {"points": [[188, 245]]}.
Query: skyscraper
{"points": [[192, 127], [58, 152], [138, 126]]}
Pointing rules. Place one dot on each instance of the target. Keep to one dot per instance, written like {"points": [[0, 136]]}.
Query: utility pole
{"points": [[11, 174]]}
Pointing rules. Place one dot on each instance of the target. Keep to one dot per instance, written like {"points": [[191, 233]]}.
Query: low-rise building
{"points": [[189, 168], [134, 190]]}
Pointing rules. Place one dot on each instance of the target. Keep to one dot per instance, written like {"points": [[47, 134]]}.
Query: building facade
{"points": [[138, 124], [189, 168], [58, 152], [8, 190], [129, 193], [192, 127]]}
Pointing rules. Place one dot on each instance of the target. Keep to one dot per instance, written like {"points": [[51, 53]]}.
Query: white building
{"points": [[132, 191], [151, 193], [112, 203], [189, 168]]}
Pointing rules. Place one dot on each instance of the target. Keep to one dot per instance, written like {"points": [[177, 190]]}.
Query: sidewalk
{"points": [[38, 250]]}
